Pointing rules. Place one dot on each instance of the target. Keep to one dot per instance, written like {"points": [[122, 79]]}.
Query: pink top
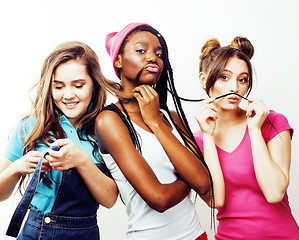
{"points": [[246, 214]]}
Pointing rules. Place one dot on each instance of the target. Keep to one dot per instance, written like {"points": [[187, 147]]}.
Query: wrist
{"points": [[16, 170], [254, 130], [84, 162], [207, 136], [156, 126]]}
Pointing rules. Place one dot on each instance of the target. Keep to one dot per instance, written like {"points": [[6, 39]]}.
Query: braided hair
{"points": [[164, 85]]}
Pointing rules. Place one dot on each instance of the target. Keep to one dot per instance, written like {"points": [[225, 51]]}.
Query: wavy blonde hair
{"points": [[47, 127]]}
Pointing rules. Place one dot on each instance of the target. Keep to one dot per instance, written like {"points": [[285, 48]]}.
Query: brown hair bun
{"points": [[209, 46], [244, 45]]}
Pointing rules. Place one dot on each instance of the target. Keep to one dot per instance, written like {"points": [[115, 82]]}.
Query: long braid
{"points": [[165, 83], [188, 136]]}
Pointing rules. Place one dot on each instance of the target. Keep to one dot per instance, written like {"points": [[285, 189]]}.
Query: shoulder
{"points": [[274, 124], [276, 119], [110, 128], [27, 122], [108, 121], [23, 127], [273, 115], [14, 146]]}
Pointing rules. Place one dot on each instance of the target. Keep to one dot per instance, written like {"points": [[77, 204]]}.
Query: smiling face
{"points": [[233, 78], [140, 62], [72, 89]]}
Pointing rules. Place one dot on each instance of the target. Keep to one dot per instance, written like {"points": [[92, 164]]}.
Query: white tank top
{"points": [[177, 223]]}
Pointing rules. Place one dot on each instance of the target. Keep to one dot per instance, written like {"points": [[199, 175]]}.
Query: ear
{"points": [[203, 80], [118, 61]]}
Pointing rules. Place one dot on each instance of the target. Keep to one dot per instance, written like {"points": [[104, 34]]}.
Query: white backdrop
{"points": [[31, 29]]}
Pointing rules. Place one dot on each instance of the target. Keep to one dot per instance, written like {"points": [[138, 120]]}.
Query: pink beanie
{"points": [[114, 41]]}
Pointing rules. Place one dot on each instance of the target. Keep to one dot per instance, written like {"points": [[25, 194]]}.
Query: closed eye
{"points": [[57, 86]]}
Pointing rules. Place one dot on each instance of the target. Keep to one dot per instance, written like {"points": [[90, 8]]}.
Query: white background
{"points": [[31, 29]]}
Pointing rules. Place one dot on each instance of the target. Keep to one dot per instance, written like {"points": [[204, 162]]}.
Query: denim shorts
{"points": [[40, 226]]}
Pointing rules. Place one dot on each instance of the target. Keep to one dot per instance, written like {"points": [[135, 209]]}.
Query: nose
{"points": [[69, 93], [234, 86], [151, 57]]}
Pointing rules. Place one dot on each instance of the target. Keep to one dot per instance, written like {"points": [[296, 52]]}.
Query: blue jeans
{"points": [[40, 226]]}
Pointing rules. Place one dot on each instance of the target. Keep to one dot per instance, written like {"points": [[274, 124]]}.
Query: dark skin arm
{"points": [[189, 167], [117, 142]]}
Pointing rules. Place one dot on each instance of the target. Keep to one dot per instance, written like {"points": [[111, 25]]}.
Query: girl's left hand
{"points": [[68, 156], [148, 100], [256, 114]]}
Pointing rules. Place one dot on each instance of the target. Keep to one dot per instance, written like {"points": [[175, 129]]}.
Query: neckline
{"points": [[164, 114], [238, 146]]}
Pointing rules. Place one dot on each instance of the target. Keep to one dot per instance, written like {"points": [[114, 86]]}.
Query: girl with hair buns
{"points": [[142, 141], [248, 151], [69, 182]]}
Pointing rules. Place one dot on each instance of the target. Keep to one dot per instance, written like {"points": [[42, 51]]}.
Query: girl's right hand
{"points": [[28, 163], [148, 100], [206, 116]]}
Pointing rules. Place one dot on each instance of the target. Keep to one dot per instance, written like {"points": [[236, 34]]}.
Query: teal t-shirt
{"points": [[44, 197]]}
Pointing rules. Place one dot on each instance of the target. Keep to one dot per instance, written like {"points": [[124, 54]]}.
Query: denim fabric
{"points": [[19, 214], [73, 215], [73, 197], [40, 226]]}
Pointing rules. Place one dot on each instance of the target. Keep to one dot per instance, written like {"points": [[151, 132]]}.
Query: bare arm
{"points": [[102, 187], [10, 172], [206, 117], [272, 164], [117, 142], [272, 160], [189, 167], [9, 177]]}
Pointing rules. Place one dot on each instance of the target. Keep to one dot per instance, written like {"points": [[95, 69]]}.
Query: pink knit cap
{"points": [[114, 41]]}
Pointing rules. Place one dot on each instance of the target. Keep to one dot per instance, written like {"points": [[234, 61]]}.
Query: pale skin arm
{"points": [[206, 117], [102, 187], [271, 160], [11, 171], [191, 169], [117, 142]]}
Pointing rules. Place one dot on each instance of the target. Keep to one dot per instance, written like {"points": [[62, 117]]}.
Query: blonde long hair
{"points": [[47, 126]]}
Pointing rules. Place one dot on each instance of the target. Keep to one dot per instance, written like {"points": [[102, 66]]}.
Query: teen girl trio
{"points": [[238, 161]]}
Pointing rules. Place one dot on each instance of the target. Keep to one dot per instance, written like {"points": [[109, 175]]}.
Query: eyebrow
{"points": [[73, 81], [226, 70], [145, 43]]}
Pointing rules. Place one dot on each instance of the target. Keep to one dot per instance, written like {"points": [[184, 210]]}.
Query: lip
{"points": [[233, 99], [70, 105], [153, 68]]}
